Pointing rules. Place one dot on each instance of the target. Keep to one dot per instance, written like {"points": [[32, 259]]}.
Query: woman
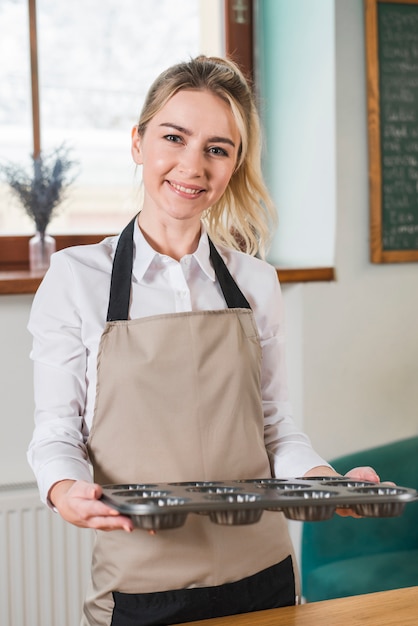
{"points": [[184, 380]]}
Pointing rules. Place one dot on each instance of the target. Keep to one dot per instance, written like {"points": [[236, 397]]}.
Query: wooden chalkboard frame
{"points": [[377, 253]]}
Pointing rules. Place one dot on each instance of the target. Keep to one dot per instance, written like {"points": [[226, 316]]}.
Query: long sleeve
{"points": [[289, 449], [57, 450]]}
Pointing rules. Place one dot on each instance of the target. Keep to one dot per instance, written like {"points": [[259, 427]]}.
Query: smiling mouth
{"points": [[190, 191]]}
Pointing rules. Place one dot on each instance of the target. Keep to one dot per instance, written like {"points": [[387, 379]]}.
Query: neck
{"points": [[173, 240]]}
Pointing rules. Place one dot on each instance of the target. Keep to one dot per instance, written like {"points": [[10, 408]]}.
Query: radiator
{"points": [[44, 562]]}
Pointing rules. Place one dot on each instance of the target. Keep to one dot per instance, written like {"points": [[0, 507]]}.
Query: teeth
{"points": [[192, 192]]}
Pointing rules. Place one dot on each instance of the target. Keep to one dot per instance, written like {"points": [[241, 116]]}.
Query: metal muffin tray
{"points": [[161, 506]]}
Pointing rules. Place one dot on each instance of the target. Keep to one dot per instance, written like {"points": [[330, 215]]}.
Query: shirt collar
{"points": [[202, 255], [144, 254]]}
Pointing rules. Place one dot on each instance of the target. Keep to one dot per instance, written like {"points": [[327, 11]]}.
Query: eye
{"points": [[217, 151], [173, 138]]}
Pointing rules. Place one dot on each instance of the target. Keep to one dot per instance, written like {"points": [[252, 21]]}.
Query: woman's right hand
{"points": [[78, 502]]}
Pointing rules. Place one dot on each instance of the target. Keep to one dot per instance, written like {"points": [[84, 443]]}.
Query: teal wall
{"points": [[295, 63]]}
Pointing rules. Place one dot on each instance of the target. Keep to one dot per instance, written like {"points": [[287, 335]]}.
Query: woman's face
{"points": [[188, 152]]}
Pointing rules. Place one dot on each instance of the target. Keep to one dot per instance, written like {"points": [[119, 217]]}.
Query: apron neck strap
{"points": [[120, 284], [233, 295]]}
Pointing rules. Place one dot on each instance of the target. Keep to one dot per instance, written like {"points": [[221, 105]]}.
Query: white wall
{"points": [[352, 344], [16, 389]]}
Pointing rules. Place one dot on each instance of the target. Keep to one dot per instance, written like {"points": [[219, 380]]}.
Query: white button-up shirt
{"points": [[67, 320]]}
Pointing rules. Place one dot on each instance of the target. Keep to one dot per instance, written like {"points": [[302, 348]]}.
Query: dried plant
{"points": [[41, 190]]}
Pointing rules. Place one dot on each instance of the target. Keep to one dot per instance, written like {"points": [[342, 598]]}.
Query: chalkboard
{"points": [[392, 99]]}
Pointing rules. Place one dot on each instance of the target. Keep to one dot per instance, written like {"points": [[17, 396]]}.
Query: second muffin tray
{"points": [[166, 505]]}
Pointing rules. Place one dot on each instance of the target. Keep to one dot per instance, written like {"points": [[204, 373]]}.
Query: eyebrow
{"points": [[186, 131]]}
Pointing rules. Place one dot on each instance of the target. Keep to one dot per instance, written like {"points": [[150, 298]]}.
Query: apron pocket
{"points": [[271, 588]]}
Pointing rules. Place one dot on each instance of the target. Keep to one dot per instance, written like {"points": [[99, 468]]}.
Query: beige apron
{"points": [[178, 399]]}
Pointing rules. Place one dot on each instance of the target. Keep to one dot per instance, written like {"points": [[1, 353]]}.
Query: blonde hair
{"points": [[244, 217]]}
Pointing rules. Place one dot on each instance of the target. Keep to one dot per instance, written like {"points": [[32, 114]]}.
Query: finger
{"points": [[344, 512], [363, 473], [111, 523], [92, 508], [90, 491]]}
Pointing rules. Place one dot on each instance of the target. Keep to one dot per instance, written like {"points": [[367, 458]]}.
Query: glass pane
{"points": [[15, 104], [96, 62]]}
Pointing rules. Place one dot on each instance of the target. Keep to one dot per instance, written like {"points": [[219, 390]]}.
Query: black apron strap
{"points": [[120, 284], [233, 295]]}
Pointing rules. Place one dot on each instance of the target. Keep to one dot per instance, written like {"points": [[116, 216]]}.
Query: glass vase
{"points": [[41, 246]]}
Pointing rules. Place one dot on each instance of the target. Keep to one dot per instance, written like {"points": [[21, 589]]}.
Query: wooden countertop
{"points": [[398, 607]]}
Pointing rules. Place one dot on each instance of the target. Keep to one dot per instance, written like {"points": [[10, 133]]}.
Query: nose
{"points": [[191, 162]]}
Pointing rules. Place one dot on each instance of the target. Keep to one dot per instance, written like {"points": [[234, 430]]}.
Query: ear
{"points": [[136, 146]]}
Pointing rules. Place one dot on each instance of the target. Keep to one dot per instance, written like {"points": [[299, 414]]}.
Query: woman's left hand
{"points": [[358, 473], [363, 473]]}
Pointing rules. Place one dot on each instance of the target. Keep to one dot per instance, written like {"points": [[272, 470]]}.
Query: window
{"points": [[224, 26], [219, 27], [96, 61]]}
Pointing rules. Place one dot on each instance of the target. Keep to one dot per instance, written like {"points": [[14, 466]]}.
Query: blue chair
{"points": [[345, 556]]}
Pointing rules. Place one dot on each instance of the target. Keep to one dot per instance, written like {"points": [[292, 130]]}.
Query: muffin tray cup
{"points": [[162, 506]]}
